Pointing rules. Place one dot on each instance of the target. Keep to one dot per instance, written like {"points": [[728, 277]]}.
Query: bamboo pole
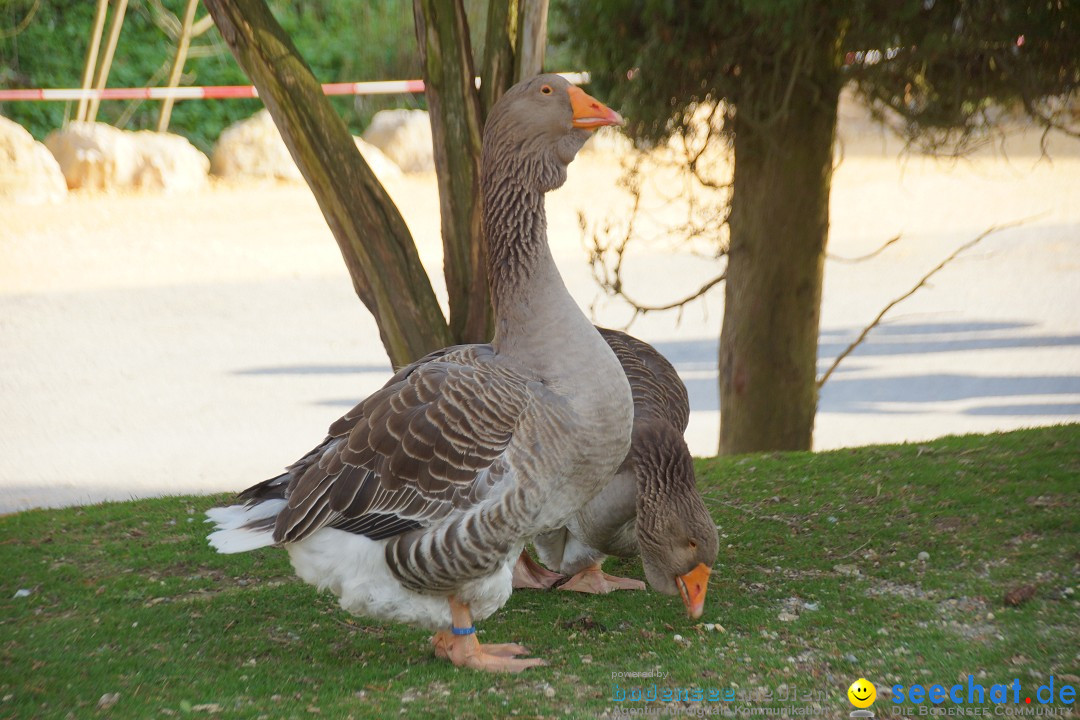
{"points": [[182, 44], [106, 60], [92, 54]]}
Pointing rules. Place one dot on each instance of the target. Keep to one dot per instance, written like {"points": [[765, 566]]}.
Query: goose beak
{"points": [[692, 587], [589, 112]]}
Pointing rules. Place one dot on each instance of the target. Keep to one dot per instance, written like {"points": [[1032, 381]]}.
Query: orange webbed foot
{"points": [[530, 574], [597, 582]]}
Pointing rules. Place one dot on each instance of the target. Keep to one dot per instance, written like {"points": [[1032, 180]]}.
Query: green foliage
{"points": [[818, 582], [340, 40], [936, 62], [949, 63]]}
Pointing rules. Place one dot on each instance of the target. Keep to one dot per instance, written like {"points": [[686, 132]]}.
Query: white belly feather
{"points": [[354, 568]]}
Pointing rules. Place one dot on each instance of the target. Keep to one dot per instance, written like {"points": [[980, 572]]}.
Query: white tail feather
{"points": [[231, 535]]}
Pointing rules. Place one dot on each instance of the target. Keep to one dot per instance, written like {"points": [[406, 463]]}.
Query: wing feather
{"points": [[431, 440]]}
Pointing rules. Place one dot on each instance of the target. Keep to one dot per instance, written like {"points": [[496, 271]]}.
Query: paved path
{"points": [[199, 343]]}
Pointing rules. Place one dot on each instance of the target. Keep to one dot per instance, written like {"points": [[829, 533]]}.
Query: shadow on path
{"points": [[695, 359]]}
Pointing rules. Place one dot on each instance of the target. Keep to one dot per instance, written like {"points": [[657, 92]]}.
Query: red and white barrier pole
{"points": [[218, 92]]}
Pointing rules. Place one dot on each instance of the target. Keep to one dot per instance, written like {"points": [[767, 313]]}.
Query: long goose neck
{"points": [[535, 316], [515, 225]]}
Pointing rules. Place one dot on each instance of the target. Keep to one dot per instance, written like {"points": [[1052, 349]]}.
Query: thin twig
{"points": [[23, 24], [642, 309], [866, 331], [863, 258]]}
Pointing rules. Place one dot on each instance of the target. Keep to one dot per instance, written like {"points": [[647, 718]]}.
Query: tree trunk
{"points": [[531, 39], [499, 38], [442, 33], [779, 225], [374, 240]]}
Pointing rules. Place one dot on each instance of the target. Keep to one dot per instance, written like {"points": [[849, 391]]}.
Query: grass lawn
{"points": [[819, 581]]}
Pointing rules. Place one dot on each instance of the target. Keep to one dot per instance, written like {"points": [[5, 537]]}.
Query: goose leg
{"points": [[466, 650], [530, 574], [594, 580]]}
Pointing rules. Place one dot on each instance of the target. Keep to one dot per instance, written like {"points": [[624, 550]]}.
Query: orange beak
{"points": [[692, 587], [589, 112]]}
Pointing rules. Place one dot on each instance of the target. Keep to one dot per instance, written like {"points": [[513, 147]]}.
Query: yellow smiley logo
{"points": [[862, 693]]}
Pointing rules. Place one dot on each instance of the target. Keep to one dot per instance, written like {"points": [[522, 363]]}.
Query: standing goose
{"points": [[651, 506], [418, 502]]}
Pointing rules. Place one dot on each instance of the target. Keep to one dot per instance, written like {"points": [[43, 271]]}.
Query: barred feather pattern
{"points": [[658, 390]]}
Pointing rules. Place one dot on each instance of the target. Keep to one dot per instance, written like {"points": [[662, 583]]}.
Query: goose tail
{"points": [[239, 528]]}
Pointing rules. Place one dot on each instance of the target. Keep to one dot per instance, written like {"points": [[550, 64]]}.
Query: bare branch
{"points": [[201, 26], [23, 24], [866, 331], [863, 258]]}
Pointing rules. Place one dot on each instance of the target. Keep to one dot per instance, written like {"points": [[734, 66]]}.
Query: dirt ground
{"points": [[196, 343]]}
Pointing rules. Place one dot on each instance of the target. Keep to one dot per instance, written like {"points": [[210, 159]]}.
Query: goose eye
{"points": [[693, 545], [546, 89]]}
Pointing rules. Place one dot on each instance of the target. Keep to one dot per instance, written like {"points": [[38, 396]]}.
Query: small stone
{"points": [[786, 616], [108, 700], [22, 592], [923, 556], [549, 692], [851, 658]]}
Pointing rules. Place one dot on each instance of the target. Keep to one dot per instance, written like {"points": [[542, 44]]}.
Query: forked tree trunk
{"points": [[374, 240], [779, 225], [442, 33]]}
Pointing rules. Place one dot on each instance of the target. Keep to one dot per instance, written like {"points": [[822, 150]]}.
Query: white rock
{"points": [[253, 148], [168, 163], [923, 556], [94, 156], [383, 167], [29, 174], [404, 136], [22, 592]]}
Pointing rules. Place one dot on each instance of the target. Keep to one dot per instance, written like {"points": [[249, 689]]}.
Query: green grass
{"points": [[818, 583]]}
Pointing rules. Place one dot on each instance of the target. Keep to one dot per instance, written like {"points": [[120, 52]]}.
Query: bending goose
{"points": [[651, 505], [418, 502]]}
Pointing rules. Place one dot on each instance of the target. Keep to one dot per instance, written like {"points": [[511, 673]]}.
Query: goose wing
{"points": [[431, 440], [657, 388]]}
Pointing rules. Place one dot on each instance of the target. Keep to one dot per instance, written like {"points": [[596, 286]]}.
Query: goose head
{"points": [[537, 127], [676, 535]]}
